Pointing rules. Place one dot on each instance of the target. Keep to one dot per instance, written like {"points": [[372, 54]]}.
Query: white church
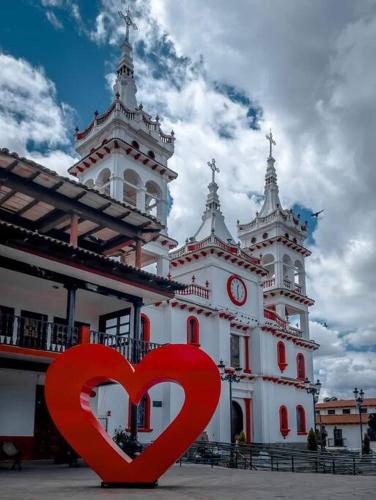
{"points": [[75, 260], [243, 294]]}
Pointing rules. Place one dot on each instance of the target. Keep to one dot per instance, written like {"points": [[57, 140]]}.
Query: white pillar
{"points": [[141, 198], [163, 266]]}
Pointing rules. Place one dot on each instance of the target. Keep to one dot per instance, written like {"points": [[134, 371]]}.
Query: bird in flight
{"points": [[316, 214]]}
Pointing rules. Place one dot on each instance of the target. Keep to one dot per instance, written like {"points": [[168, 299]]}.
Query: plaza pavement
{"points": [[52, 482]]}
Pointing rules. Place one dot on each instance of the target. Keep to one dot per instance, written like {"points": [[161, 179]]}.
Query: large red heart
{"points": [[71, 378]]}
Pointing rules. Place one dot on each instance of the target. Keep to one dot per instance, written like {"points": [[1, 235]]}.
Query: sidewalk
{"points": [[41, 481]]}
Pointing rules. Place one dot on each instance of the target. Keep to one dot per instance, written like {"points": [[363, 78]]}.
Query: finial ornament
{"points": [[213, 168], [129, 23], [271, 140]]}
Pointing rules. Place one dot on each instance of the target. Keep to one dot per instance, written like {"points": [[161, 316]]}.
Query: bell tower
{"points": [[124, 154], [276, 236]]}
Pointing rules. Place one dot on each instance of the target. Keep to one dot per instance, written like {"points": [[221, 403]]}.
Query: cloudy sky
{"points": [[221, 74]]}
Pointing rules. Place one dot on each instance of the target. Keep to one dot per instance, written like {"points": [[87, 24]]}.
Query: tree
{"points": [[312, 440], [366, 448]]}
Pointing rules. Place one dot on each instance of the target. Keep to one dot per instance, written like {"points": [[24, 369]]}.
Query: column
{"points": [[247, 368], [135, 359], [280, 309], [141, 203], [117, 179], [248, 419], [163, 266], [73, 237], [71, 311]]}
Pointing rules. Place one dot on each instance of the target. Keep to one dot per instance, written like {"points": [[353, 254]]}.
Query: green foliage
{"points": [[241, 438], [312, 440], [366, 448], [121, 437]]}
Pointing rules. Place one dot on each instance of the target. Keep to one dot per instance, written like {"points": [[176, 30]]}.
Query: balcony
{"points": [[271, 283], [34, 334], [282, 323], [197, 290]]}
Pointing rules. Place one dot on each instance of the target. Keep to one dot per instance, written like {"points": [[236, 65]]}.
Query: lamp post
{"points": [[313, 389], [230, 375], [359, 398]]}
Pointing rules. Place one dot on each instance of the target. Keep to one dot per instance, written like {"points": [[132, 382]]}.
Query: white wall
{"points": [[17, 401]]}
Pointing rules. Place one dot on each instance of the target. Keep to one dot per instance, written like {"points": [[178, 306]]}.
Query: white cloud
{"points": [[31, 118], [54, 20]]}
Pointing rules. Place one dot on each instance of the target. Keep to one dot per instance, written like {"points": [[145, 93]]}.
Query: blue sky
{"points": [[221, 77], [70, 59]]}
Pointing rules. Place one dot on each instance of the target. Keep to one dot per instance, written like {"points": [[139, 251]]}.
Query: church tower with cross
{"points": [[124, 153], [276, 236]]}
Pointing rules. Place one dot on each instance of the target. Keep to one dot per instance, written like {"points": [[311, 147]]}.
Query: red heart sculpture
{"points": [[74, 374]]}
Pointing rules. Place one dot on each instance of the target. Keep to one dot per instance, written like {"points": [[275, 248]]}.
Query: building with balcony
{"points": [[59, 286]]}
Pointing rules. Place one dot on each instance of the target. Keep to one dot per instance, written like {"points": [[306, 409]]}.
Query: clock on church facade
{"points": [[237, 290]]}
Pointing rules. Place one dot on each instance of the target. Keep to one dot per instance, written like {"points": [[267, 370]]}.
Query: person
{"points": [[323, 436]]}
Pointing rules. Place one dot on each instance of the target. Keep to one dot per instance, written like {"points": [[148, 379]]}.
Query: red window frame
{"points": [[300, 366], [195, 338], [281, 355], [283, 421], [146, 427], [301, 419], [145, 327]]}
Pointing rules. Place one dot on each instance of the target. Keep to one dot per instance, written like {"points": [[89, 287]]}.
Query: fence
{"points": [[278, 458]]}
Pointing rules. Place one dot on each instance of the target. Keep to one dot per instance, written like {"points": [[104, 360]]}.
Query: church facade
{"points": [[245, 301]]}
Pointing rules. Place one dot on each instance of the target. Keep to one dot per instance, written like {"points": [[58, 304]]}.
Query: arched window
{"points": [[193, 331], [288, 271], [152, 199], [89, 183], [145, 328], [135, 144], [300, 420], [281, 355], [300, 367], [103, 181], [283, 421], [131, 187], [143, 414]]}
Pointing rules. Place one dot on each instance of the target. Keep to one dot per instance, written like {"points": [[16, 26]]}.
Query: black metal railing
{"points": [[279, 458], [35, 333], [131, 349]]}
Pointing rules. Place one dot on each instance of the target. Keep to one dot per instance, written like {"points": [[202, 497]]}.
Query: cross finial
{"points": [[213, 168], [129, 23], [271, 142]]}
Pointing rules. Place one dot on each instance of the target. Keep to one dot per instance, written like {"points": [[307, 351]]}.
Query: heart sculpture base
{"points": [[141, 486], [72, 377]]}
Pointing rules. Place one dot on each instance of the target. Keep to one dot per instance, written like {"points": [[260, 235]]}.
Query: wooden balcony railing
{"points": [[47, 336]]}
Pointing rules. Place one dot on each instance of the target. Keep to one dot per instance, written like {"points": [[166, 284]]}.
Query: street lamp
{"points": [[313, 389], [359, 398], [230, 375]]}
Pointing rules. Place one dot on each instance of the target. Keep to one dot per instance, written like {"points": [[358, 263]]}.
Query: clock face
{"points": [[237, 290]]}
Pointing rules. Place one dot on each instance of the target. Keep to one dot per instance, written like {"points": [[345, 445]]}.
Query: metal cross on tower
{"points": [[129, 23], [213, 168], [271, 142]]}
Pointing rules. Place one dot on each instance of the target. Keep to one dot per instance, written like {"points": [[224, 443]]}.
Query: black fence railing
{"points": [[23, 331], [278, 458], [34, 333], [133, 350]]}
